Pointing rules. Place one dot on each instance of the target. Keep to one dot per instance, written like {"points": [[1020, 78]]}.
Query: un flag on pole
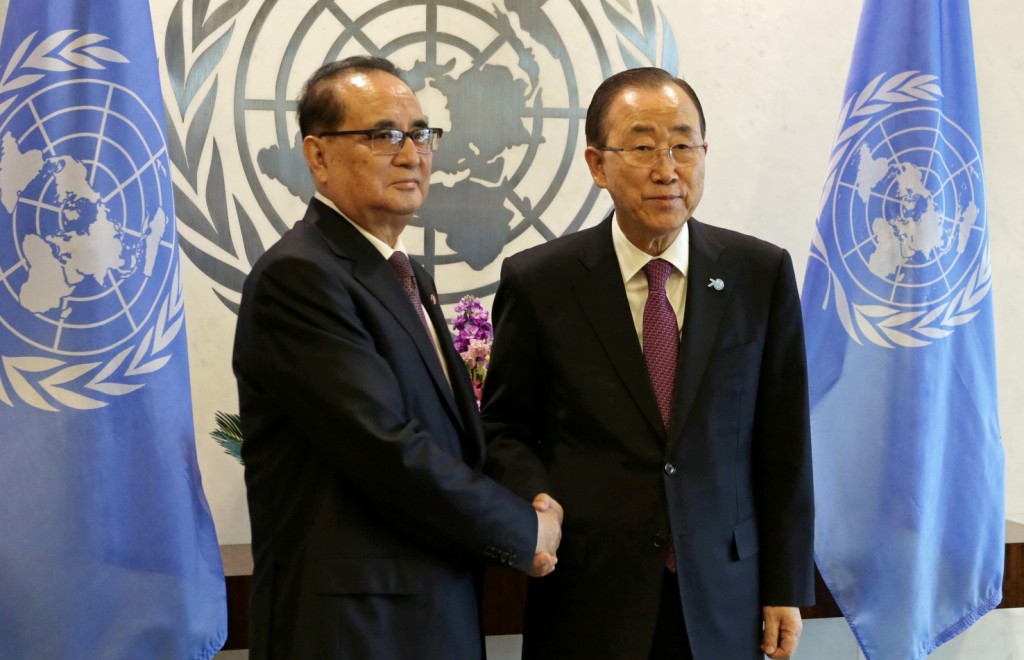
{"points": [[107, 548], [908, 462]]}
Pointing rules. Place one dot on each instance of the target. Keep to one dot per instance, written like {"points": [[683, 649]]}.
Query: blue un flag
{"points": [[107, 547], [908, 462]]}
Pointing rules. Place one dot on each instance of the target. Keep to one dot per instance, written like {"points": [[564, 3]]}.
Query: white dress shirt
{"points": [[631, 263]]}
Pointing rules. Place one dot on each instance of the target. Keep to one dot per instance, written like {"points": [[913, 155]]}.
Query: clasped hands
{"points": [[549, 534]]}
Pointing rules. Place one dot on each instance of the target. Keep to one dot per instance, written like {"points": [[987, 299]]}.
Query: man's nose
{"points": [[407, 152], [664, 168]]}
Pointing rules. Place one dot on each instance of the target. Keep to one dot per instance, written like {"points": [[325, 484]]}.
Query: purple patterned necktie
{"points": [[400, 263], [661, 348], [661, 336]]}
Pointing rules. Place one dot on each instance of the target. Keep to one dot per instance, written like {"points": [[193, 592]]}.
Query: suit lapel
{"points": [[375, 274], [602, 295], [461, 389], [705, 307]]}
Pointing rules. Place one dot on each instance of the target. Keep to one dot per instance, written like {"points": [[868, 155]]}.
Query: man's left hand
{"points": [[782, 628]]}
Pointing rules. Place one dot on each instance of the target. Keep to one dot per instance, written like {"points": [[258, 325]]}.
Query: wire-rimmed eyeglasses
{"points": [[388, 141], [646, 156]]}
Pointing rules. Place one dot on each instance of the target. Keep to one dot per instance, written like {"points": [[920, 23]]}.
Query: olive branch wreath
{"points": [[643, 40], [883, 325], [207, 238], [53, 53], [39, 381]]}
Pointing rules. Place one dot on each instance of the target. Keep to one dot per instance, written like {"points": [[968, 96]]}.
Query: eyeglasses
{"points": [[388, 141], [645, 156]]}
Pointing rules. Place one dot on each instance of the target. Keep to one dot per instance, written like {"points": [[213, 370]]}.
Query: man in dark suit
{"points": [[649, 373], [363, 448]]}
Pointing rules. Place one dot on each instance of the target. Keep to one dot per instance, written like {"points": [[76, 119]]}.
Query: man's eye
{"points": [[394, 137], [643, 148]]}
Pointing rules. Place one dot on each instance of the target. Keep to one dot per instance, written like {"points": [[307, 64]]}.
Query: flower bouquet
{"points": [[472, 333]]}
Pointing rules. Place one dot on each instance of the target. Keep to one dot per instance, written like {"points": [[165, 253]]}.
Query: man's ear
{"points": [[313, 148], [595, 161]]}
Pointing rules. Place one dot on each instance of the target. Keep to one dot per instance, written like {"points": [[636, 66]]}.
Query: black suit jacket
{"points": [[370, 515], [569, 409]]}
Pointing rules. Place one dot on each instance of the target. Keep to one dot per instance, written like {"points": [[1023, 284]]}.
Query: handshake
{"points": [[549, 534]]}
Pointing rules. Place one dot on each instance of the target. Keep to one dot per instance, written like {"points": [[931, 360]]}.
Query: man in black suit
{"points": [[363, 448], [649, 373]]}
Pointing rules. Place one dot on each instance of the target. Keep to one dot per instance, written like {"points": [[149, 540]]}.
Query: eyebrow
{"points": [[390, 123], [644, 129]]}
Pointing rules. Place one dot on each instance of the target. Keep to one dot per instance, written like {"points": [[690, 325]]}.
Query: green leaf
{"points": [[228, 434]]}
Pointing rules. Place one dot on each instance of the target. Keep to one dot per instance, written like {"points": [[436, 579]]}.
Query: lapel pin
{"points": [[433, 299], [716, 284]]}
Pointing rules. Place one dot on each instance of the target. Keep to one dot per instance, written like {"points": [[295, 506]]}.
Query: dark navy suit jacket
{"points": [[370, 515], [569, 410]]}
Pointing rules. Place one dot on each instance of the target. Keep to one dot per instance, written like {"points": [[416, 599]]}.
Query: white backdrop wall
{"points": [[770, 74]]}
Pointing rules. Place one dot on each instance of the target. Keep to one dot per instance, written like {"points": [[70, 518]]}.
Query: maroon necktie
{"points": [[661, 336], [400, 263], [661, 348]]}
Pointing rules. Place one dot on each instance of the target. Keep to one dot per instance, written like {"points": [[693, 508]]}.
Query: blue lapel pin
{"points": [[716, 284]]}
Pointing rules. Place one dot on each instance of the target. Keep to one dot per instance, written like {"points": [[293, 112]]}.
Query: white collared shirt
{"points": [[631, 264], [386, 251]]}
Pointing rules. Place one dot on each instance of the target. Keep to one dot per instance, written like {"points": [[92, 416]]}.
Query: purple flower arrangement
{"points": [[473, 333]]}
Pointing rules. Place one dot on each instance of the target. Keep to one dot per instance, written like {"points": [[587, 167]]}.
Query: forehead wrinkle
{"points": [[642, 129]]}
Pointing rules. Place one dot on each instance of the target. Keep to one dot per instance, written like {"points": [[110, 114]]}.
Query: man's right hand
{"points": [[549, 534]]}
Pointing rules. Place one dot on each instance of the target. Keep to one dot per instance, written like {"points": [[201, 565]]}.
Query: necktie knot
{"points": [[400, 263], [657, 272]]}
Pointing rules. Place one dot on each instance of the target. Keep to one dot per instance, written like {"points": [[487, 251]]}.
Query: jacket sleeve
{"points": [[514, 391], [782, 453]]}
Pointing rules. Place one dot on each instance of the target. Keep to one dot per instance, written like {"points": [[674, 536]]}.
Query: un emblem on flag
{"points": [[908, 249], [87, 254]]}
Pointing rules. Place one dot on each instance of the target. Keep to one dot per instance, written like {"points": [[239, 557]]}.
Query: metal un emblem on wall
{"points": [[908, 255], [509, 82], [89, 289]]}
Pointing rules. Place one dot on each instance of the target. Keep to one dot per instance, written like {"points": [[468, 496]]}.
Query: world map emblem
{"points": [[907, 249], [509, 82], [88, 278]]}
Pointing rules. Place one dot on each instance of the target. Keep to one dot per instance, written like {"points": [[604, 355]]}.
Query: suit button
{"points": [[670, 469], [658, 541]]}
